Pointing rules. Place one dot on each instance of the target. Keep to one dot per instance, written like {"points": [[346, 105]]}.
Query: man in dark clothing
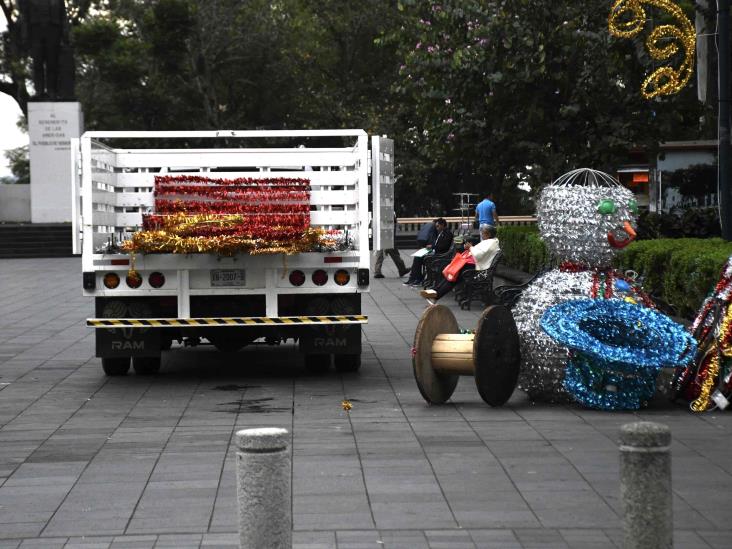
{"points": [[427, 233], [440, 245], [395, 257]]}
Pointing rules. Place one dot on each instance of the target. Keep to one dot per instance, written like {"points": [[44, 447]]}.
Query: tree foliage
{"points": [[489, 88], [477, 93], [212, 64], [19, 165]]}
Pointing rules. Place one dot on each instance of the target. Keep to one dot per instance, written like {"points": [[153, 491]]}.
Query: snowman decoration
{"points": [[585, 217]]}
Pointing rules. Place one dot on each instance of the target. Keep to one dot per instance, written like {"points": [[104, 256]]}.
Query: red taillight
{"points": [[111, 280], [297, 278], [134, 280], [341, 277], [320, 277], [156, 280]]}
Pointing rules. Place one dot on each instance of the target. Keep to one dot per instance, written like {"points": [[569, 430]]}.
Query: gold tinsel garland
{"points": [[627, 19], [721, 347], [180, 234]]}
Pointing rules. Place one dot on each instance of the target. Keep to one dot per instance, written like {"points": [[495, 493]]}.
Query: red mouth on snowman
{"points": [[618, 243]]}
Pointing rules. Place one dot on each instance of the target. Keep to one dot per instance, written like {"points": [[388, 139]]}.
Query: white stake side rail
{"points": [[113, 188]]}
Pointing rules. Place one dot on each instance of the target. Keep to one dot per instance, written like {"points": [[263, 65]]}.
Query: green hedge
{"points": [[680, 271], [522, 248]]}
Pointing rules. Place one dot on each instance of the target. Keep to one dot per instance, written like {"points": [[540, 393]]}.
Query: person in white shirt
{"points": [[483, 254]]}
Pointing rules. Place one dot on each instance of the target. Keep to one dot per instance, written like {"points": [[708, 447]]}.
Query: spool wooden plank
{"points": [[496, 355], [434, 387]]}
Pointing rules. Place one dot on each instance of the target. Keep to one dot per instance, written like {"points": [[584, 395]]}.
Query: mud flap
{"points": [[124, 342], [338, 340]]}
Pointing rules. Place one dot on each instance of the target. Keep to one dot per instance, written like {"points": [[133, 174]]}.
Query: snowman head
{"points": [[586, 216]]}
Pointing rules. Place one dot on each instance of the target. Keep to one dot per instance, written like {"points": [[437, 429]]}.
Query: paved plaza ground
{"points": [[91, 461]]}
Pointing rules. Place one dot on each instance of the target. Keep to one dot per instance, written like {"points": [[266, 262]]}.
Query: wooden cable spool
{"points": [[442, 354]]}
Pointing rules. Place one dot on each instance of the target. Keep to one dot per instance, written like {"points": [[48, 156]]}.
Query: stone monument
{"points": [[53, 116]]}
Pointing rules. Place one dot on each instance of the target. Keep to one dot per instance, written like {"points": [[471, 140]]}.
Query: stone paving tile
{"points": [[133, 542], [313, 540], [144, 462]]}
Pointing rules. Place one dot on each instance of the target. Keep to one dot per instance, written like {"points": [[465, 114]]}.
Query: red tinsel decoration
{"points": [[207, 214]]}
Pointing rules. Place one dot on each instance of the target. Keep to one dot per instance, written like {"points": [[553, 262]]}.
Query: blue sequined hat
{"points": [[615, 331], [617, 349]]}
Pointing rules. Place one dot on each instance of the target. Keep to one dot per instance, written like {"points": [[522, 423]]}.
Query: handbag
{"points": [[452, 271]]}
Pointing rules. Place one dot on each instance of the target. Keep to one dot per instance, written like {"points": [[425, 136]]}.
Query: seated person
{"points": [[427, 233], [441, 244], [483, 254]]}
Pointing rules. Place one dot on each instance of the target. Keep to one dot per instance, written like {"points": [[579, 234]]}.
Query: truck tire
{"points": [[317, 364], [116, 366], [347, 363], [146, 365]]}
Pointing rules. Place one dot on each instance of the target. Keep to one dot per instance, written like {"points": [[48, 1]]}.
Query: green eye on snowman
{"points": [[633, 206], [606, 207]]}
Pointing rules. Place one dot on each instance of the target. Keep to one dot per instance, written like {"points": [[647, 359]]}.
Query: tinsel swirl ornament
{"points": [[585, 217], [628, 18], [616, 350]]}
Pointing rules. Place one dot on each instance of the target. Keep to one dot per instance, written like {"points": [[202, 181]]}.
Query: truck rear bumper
{"points": [[225, 321]]}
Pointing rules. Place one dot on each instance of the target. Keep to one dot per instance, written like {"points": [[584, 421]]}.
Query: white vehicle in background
{"points": [[314, 297]]}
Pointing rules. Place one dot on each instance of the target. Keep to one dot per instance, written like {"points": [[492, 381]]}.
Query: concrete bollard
{"points": [[645, 485], [264, 488]]}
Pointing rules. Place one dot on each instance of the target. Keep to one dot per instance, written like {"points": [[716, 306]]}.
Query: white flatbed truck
{"points": [[313, 298]]}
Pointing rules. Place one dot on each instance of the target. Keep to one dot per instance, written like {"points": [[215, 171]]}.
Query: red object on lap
{"points": [[452, 271]]}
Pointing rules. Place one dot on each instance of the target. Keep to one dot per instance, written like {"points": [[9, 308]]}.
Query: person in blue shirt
{"points": [[485, 212]]}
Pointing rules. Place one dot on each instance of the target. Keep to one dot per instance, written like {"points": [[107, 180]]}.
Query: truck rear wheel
{"points": [[347, 363], [317, 364], [146, 365], [116, 366]]}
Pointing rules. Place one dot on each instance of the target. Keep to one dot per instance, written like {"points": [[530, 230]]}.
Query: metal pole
{"points": [[264, 488], [725, 186], [645, 485]]}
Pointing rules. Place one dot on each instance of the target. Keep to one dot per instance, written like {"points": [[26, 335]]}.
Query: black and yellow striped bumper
{"points": [[225, 321]]}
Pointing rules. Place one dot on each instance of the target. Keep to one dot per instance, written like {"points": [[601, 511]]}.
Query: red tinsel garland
{"points": [[230, 207], [162, 180], [239, 193], [218, 215]]}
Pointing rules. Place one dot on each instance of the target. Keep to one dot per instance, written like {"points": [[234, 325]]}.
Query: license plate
{"points": [[228, 277]]}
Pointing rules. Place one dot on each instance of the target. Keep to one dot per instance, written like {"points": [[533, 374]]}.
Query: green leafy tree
{"points": [[211, 64], [19, 165], [489, 88]]}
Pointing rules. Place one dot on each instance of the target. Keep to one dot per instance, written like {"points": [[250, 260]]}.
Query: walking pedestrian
{"points": [[395, 257]]}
